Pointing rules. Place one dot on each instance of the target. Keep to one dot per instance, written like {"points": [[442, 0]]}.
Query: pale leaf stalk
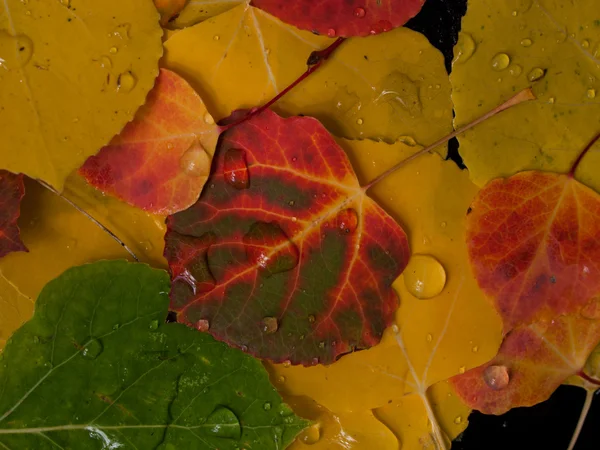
{"points": [[589, 396], [91, 218]]}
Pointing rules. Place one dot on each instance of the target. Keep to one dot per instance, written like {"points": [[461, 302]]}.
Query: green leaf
{"points": [[97, 368]]}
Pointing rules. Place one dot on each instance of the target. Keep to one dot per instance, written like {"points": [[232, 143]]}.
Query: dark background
{"points": [[546, 426]]}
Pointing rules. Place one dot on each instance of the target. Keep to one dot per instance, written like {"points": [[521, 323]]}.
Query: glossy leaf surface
{"points": [[12, 191], [161, 160], [125, 378], [284, 255], [343, 17]]}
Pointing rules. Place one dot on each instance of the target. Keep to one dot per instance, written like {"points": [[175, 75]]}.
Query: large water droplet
{"points": [[195, 161], [126, 82], [331, 32], [536, 74], [153, 325], [222, 423], [401, 92], [347, 221], [360, 12], [501, 61], [381, 27], [268, 247], [15, 51], [269, 325], [310, 435], [526, 42], [424, 277], [92, 349], [235, 169], [515, 70], [496, 377], [464, 49]]}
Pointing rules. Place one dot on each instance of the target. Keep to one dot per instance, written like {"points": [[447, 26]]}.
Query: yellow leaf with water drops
{"points": [[73, 73], [507, 45], [198, 10], [388, 86], [58, 237], [450, 331]]}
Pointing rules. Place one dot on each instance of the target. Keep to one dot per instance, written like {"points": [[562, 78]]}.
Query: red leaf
{"points": [[162, 159], [532, 362], [534, 245], [284, 255], [343, 18], [12, 191]]}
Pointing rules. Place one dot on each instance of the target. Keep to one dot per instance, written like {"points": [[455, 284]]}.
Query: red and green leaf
{"points": [[162, 159], [284, 255], [343, 18], [12, 191]]}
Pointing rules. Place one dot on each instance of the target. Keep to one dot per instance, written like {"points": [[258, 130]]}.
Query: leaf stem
{"points": [[589, 396], [582, 155], [589, 379], [523, 96], [92, 219], [315, 60]]}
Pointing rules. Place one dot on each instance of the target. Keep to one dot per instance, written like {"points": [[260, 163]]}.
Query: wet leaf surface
{"points": [[12, 191]]}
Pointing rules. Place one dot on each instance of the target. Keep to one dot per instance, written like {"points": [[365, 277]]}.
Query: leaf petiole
{"points": [[582, 155], [589, 379]]}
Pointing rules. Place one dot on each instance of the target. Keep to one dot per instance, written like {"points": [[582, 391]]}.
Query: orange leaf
{"points": [[169, 9], [532, 362], [161, 160], [534, 245]]}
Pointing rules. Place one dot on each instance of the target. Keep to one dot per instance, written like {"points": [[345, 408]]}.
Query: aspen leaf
{"points": [[11, 193]]}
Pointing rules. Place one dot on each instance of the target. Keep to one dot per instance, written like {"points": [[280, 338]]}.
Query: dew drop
{"points": [[424, 277], [287, 364], [281, 379], [360, 12], [475, 349], [311, 319], [202, 325], [126, 82], [235, 169], [66, 3], [216, 37], [105, 62], [551, 100], [515, 70], [381, 27], [500, 62], [269, 325], [153, 325], [310, 435], [113, 50], [92, 349], [464, 49], [526, 42], [331, 32], [409, 141], [536, 74], [496, 377], [461, 369], [515, 13], [195, 161], [267, 406], [269, 248], [458, 420], [222, 423], [443, 224], [122, 31], [359, 121], [15, 51], [401, 93], [429, 337], [209, 119], [591, 93], [585, 44], [347, 221]]}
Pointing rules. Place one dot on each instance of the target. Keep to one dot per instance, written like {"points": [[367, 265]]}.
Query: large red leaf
{"points": [[284, 255], [534, 244], [11, 193], [161, 160], [532, 362], [343, 17]]}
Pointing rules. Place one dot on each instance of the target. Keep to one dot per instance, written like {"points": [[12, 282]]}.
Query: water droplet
{"points": [[475, 349], [105, 62], [429, 337], [381, 27], [461, 369], [458, 420], [359, 121], [15, 51], [122, 31], [551, 100], [496, 377], [515, 13], [195, 161], [331, 32], [281, 379], [501, 61], [267, 406], [92, 349], [310, 435], [114, 50], [585, 44], [287, 364], [591, 93], [347, 221], [235, 169], [269, 325], [222, 423], [443, 224], [515, 70], [424, 277], [153, 325], [268, 247], [203, 325], [464, 49], [66, 3], [216, 37], [126, 82], [536, 74], [407, 140], [399, 91], [209, 119], [36, 339], [526, 42], [360, 12], [311, 319]]}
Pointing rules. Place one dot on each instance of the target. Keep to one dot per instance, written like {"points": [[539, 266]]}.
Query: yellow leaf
{"points": [[198, 10], [58, 237], [383, 86], [508, 45], [73, 73], [439, 337]]}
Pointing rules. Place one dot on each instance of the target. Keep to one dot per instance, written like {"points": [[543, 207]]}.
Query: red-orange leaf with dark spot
{"points": [[284, 255], [162, 159], [537, 358], [12, 191], [343, 18], [534, 245]]}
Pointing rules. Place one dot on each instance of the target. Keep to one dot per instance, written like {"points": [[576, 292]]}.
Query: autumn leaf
{"points": [[532, 362], [549, 45], [284, 255], [75, 373], [12, 191], [342, 17], [73, 74], [390, 86], [161, 160], [196, 11], [169, 9]]}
